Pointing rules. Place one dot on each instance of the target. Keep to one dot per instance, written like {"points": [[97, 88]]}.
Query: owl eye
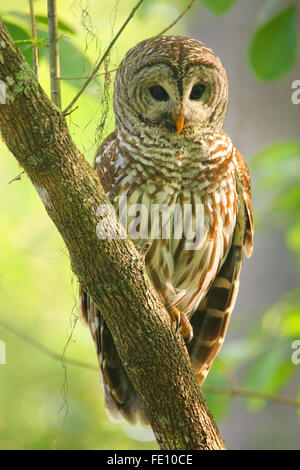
{"points": [[197, 91], [158, 93]]}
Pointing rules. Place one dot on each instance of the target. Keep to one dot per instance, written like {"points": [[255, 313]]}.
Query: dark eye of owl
{"points": [[158, 93], [197, 91]]}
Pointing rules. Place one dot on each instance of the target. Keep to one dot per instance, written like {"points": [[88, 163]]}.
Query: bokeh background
{"points": [[46, 402]]}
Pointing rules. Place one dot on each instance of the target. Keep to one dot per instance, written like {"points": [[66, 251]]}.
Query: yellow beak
{"points": [[179, 121]]}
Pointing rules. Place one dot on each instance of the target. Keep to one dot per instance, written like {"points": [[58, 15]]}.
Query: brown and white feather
{"points": [[149, 163]]}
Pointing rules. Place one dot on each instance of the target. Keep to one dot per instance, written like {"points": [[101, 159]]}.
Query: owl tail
{"points": [[211, 319], [121, 400]]}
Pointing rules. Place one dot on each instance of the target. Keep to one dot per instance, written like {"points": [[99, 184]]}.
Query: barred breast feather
{"points": [[210, 175]]}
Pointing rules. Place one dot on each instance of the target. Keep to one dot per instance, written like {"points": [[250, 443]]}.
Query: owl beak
{"points": [[179, 121]]}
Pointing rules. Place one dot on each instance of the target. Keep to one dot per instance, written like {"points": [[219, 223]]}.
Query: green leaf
{"points": [[73, 63], [276, 152], [289, 201], [270, 372], [62, 25], [218, 7], [19, 34], [42, 19], [219, 404], [278, 166], [293, 240], [273, 47], [291, 322]]}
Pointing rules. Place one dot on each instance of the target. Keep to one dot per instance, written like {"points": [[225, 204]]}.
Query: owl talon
{"points": [[188, 339], [186, 329], [177, 326], [175, 318], [181, 321]]}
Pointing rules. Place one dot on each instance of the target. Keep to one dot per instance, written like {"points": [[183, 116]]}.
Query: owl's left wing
{"points": [[244, 192], [211, 319]]}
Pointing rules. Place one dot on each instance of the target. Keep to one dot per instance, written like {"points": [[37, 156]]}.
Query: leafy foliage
{"points": [[218, 6], [20, 34], [274, 45], [273, 48], [278, 167], [74, 63], [41, 19], [278, 170]]}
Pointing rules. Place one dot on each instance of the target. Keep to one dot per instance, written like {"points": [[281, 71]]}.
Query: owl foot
{"points": [[181, 321]]}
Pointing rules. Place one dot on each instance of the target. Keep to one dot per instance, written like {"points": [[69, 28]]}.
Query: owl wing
{"points": [[242, 173], [121, 400], [107, 165], [211, 319]]}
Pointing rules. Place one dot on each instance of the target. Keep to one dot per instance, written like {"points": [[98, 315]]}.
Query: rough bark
{"points": [[111, 271]]}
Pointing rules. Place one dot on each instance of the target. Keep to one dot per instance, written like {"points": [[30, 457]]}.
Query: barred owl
{"points": [[169, 150]]}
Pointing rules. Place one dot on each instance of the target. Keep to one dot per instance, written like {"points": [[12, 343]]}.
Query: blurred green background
{"points": [[47, 403]]}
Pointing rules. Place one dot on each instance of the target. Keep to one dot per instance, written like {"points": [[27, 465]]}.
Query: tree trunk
{"points": [[111, 271]]}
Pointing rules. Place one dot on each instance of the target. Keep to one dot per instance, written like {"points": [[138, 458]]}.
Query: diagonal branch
{"points": [[111, 271]]}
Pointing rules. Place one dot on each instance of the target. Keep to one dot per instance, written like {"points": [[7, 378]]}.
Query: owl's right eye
{"points": [[158, 93], [197, 91]]}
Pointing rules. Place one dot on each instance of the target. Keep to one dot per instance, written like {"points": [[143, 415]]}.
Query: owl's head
{"points": [[171, 83]]}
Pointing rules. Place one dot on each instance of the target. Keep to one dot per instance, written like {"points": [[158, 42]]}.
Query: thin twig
{"points": [[233, 391], [54, 53], [232, 380], [17, 178], [34, 35], [237, 391], [72, 111], [93, 75], [179, 17], [36, 344], [189, 6], [101, 60]]}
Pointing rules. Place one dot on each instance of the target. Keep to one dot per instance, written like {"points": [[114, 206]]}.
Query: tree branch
{"points": [[34, 35], [243, 392], [111, 271], [54, 53]]}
